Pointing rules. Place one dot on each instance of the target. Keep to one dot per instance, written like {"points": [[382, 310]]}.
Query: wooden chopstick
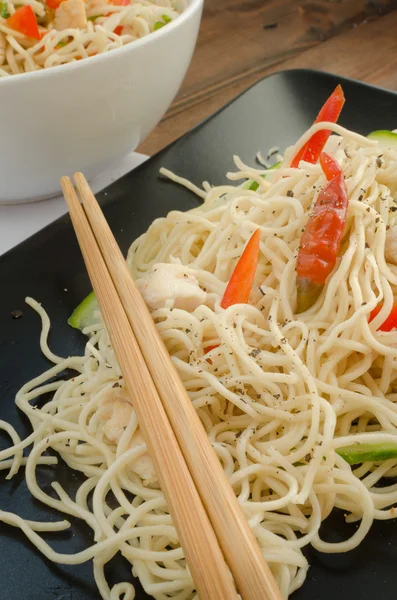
{"points": [[251, 572], [203, 554]]}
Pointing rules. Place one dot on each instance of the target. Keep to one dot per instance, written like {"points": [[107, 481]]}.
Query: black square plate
{"points": [[49, 267]]}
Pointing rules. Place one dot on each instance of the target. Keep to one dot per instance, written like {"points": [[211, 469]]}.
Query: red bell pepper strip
{"points": [[322, 237], [118, 30], [390, 322], [24, 21], [209, 348], [54, 4], [240, 284], [330, 166], [120, 2], [330, 112]]}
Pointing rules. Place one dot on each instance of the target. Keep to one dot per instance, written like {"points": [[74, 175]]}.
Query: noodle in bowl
{"points": [[278, 393], [71, 30], [87, 114]]}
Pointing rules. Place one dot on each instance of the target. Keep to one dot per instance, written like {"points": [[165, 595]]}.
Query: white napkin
{"points": [[19, 221]]}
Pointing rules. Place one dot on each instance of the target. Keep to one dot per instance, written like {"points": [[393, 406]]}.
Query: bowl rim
{"points": [[16, 79]]}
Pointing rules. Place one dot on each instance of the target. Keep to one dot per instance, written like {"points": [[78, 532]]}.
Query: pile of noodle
{"points": [[108, 26], [277, 394]]}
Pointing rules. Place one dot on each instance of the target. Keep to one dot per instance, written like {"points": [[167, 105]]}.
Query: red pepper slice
{"points": [[54, 4], [24, 21], [330, 166], [118, 30], [330, 112], [320, 242], [120, 2], [209, 348], [390, 322], [240, 284]]}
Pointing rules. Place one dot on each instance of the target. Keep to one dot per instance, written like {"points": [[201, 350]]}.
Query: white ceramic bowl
{"points": [[85, 115]]}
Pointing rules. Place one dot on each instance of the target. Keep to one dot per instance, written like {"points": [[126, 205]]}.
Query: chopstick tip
{"points": [[66, 185], [65, 180], [79, 177], [69, 193]]}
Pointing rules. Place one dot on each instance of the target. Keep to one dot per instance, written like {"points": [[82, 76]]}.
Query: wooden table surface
{"points": [[241, 41]]}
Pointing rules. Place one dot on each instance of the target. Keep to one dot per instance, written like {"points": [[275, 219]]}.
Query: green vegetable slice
{"points": [[160, 24], [84, 315], [254, 185], [385, 138], [3, 10], [360, 453]]}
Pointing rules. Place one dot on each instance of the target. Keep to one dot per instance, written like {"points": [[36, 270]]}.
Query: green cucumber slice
{"points": [[360, 453], [84, 315], [385, 138]]}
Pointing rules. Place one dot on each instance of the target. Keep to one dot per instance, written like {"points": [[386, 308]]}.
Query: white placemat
{"points": [[20, 221]]}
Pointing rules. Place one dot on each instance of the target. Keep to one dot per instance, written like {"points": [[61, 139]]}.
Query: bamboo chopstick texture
{"points": [[203, 554], [252, 575]]}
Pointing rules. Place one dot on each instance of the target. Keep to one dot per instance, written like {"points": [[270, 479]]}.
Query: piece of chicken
{"points": [[2, 48], [143, 465], [116, 412], [171, 286], [70, 14], [391, 245]]}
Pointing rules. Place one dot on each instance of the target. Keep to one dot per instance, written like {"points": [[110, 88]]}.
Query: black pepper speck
{"points": [[17, 314]]}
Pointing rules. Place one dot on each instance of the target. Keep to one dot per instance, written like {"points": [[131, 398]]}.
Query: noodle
{"points": [[78, 29], [277, 392]]}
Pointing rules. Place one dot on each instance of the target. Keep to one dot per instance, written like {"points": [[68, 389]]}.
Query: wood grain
{"points": [[241, 41]]}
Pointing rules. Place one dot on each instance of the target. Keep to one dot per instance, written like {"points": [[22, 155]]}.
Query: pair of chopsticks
{"points": [[212, 529]]}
